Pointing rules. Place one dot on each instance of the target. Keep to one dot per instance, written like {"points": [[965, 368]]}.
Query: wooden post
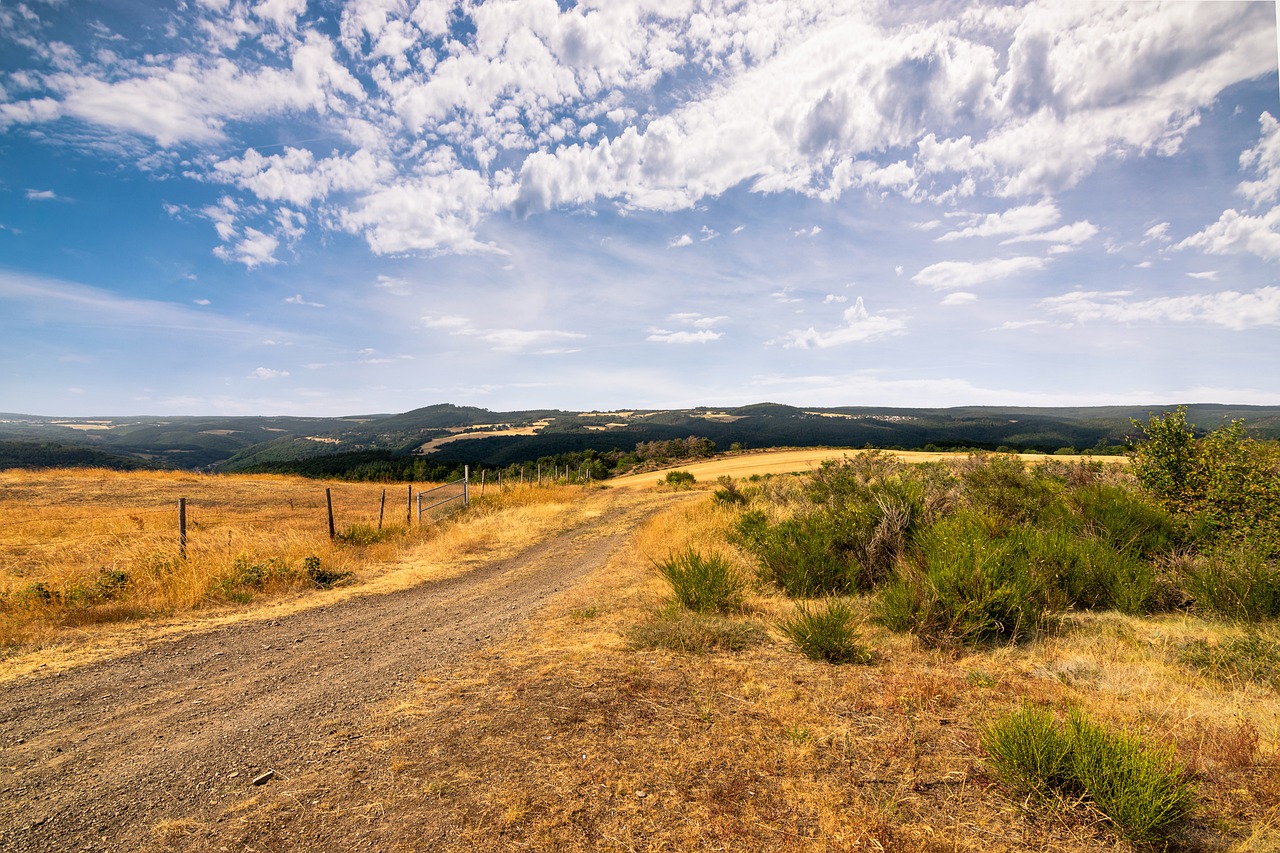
{"points": [[328, 499], [466, 484], [182, 528], [382, 507], [408, 513], [483, 471]]}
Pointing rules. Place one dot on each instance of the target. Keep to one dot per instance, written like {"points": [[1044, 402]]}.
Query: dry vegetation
{"points": [[578, 736], [587, 732], [80, 548]]}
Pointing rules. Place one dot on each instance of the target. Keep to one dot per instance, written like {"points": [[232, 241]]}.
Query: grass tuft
{"points": [[684, 631], [1143, 790], [703, 584], [827, 633]]}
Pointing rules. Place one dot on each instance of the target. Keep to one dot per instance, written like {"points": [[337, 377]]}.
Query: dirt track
{"points": [[95, 757]]}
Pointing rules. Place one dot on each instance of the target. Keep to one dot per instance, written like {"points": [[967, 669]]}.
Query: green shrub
{"points": [[1124, 520], [969, 587], [827, 633], [703, 584], [1005, 490], [1080, 571], [1029, 752], [685, 631], [679, 479], [729, 494], [1143, 790], [804, 556], [1233, 582], [1251, 658]]}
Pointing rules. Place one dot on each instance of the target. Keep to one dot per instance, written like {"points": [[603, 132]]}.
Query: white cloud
{"points": [[1209, 275], [267, 373], [1159, 232], [41, 195], [1264, 159], [1067, 235], [834, 298], [947, 275], [254, 249], [1238, 233], [297, 299], [681, 241], [202, 301], [1016, 220], [683, 337], [540, 341], [808, 232], [859, 326], [960, 297], [1229, 309]]}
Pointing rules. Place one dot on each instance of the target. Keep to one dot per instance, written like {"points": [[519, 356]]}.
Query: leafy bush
{"points": [[703, 584], [1080, 571], [827, 633], [1143, 790], [729, 494], [1226, 484]]}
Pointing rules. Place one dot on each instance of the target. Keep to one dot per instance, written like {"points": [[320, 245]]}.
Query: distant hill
{"points": [[447, 435]]}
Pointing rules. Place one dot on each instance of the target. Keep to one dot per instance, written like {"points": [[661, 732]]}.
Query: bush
{"points": [[804, 556], [1233, 582], [1144, 791], [323, 578], [679, 479], [969, 587], [828, 633], [367, 534], [703, 584]]}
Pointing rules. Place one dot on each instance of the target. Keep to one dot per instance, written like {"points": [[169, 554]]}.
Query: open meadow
{"points": [[691, 685]]}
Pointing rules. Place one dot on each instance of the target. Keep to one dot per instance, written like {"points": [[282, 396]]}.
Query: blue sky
{"points": [[326, 208]]}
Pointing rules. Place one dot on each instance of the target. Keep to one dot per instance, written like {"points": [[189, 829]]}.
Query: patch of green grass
{"points": [[367, 534], [1237, 583], [1143, 790], [1251, 658], [703, 584], [684, 631], [827, 633]]}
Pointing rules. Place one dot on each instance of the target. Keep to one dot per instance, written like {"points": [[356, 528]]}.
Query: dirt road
{"points": [[95, 757]]}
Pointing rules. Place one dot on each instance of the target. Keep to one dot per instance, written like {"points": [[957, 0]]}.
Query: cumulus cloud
{"points": [[1229, 309], [1239, 233], [434, 118], [267, 373], [859, 326], [949, 275], [681, 241]]}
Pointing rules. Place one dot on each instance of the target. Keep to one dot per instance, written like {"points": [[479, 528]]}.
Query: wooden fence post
{"points": [[328, 499], [382, 507], [408, 512], [182, 528]]}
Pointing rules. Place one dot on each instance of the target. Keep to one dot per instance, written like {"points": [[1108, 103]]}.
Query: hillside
{"points": [[453, 435]]}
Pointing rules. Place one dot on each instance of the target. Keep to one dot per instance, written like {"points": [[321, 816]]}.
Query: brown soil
{"points": [[106, 756]]}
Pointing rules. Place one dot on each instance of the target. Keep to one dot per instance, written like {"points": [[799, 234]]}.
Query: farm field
{"points": [[774, 462], [516, 678]]}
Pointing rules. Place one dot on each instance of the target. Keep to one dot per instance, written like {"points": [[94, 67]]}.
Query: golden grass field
{"points": [[572, 736]]}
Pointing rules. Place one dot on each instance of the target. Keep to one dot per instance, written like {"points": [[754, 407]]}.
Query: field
{"points": [[609, 719]]}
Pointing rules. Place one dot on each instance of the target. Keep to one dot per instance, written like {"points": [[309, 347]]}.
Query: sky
{"points": [[317, 207]]}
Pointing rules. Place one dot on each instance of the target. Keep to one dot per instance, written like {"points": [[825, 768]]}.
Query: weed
{"points": [[827, 633], [703, 584], [367, 534], [323, 578], [1143, 790], [729, 494], [586, 613], [685, 631]]}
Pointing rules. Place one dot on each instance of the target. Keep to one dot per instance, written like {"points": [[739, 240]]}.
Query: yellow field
{"points": [[776, 462], [79, 547]]}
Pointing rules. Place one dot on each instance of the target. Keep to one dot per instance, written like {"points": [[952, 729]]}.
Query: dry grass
{"points": [[83, 551], [571, 738], [774, 462]]}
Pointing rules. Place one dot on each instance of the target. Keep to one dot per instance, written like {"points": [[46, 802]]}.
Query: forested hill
{"points": [[447, 435]]}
